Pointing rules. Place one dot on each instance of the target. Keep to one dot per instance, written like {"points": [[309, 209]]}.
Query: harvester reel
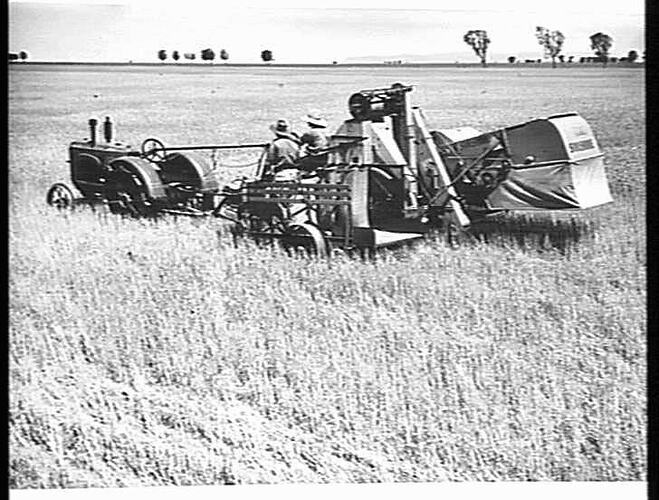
{"points": [[60, 196], [153, 150]]}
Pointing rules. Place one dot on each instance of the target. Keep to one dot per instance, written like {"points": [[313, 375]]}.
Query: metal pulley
{"points": [[375, 104]]}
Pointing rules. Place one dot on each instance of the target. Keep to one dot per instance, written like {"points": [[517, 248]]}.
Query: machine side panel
{"points": [[557, 165], [348, 132], [450, 135], [89, 165], [358, 181], [548, 187], [384, 146], [588, 175], [538, 139]]}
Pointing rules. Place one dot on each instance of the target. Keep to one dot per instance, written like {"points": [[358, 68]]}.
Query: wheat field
{"points": [[158, 352]]}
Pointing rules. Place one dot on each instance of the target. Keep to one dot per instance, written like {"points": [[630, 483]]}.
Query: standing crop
{"points": [[146, 353]]}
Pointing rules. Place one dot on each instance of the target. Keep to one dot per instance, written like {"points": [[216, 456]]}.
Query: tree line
{"points": [[552, 43], [206, 55], [22, 55]]}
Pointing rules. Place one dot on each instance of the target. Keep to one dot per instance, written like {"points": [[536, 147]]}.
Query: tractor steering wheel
{"points": [[153, 150]]}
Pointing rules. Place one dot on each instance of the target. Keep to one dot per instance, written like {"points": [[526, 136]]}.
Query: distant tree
{"points": [[632, 56], [570, 59], [23, 55], [266, 55], [162, 55], [561, 58], [512, 59], [208, 55], [13, 56], [479, 41], [335, 62], [601, 43], [175, 55], [224, 55], [552, 41]]}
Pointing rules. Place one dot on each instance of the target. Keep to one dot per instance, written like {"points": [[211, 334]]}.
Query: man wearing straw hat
{"points": [[315, 138], [314, 141], [284, 150]]}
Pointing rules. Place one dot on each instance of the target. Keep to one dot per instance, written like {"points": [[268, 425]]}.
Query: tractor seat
{"points": [[234, 187], [180, 186]]}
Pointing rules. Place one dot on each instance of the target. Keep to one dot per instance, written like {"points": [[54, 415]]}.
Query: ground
{"points": [[155, 353]]}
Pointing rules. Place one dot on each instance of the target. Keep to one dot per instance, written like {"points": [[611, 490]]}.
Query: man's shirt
{"points": [[283, 151], [315, 140]]}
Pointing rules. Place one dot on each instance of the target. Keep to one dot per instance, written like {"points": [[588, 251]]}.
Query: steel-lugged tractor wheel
{"points": [[135, 187], [306, 239], [130, 197], [60, 196]]}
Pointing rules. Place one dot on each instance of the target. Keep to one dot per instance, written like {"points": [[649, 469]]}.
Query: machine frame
{"points": [[384, 179]]}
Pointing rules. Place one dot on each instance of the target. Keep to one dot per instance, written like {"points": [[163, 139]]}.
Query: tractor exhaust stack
{"points": [[107, 130], [92, 131]]}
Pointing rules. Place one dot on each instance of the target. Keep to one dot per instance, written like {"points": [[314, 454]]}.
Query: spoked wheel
{"points": [[306, 239], [60, 196]]}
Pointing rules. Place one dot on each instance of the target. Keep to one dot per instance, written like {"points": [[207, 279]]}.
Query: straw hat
{"points": [[282, 128], [314, 118]]}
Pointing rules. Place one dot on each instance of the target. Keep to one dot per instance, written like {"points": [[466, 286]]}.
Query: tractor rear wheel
{"points": [[130, 197], [60, 196], [135, 188]]}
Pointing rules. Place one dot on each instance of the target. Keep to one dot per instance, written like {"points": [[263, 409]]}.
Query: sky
{"points": [[299, 31]]}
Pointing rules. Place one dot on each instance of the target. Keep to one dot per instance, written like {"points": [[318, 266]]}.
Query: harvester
{"points": [[386, 178]]}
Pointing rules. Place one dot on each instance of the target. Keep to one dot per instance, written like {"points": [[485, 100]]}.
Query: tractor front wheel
{"points": [[60, 196]]}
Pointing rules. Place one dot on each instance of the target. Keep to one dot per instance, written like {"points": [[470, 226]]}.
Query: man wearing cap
{"points": [[314, 140], [284, 150]]}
